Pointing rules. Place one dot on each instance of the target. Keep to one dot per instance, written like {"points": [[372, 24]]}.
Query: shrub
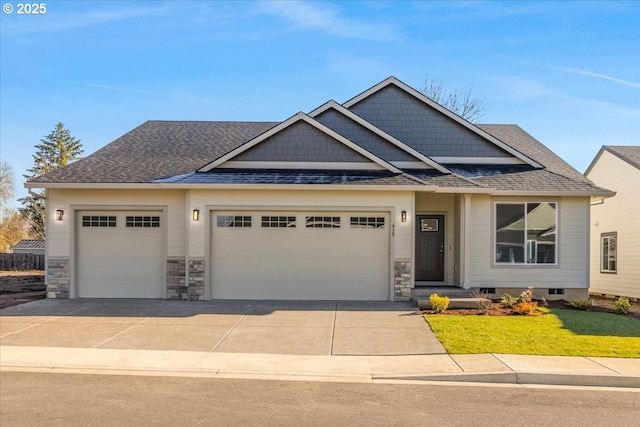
{"points": [[438, 303], [525, 308], [509, 300], [623, 305], [580, 304], [484, 302], [526, 296]]}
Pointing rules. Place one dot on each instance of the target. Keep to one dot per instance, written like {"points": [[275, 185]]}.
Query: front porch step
{"points": [[425, 304], [425, 293]]}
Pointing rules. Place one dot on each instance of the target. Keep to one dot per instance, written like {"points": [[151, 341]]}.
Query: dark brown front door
{"points": [[430, 248]]}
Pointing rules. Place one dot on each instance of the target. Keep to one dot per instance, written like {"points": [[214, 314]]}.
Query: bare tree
{"points": [[6, 183], [462, 102]]}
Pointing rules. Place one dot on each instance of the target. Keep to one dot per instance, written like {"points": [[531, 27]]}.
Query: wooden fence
{"points": [[21, 262]]}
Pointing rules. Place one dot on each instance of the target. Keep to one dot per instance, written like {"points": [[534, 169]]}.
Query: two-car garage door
{"points": [[120, 254], [302, 255]]}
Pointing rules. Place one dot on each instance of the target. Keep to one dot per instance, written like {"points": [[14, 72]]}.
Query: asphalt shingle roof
{"points": [[631, 153]]}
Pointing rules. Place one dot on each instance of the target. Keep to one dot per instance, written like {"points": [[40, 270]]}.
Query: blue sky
{"points": [[567, 72]]}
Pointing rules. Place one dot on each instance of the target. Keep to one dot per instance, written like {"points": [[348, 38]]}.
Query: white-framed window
{"points": [[526, 233], [608, 252]]}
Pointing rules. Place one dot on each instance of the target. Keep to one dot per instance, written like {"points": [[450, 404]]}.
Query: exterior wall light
{"points": [[59, 214], [403, 216], [196, 215]]}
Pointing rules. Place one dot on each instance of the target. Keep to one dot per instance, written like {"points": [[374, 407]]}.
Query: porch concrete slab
{"points": [[485, 363], [385, 341], [553, 364], [277, 340], [71, 335], [183, 337], [621, 366]]}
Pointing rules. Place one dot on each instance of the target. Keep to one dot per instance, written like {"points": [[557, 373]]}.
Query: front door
{"points": [[429, 248]]}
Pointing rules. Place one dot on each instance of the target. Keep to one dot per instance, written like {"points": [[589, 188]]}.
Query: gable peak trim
{"points": [[391, 80]]}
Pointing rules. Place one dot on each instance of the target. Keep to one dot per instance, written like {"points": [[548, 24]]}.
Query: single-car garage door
{"points": [[119, 254], [300, 255]]}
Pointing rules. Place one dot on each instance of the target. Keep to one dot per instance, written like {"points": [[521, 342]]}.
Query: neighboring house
{"points": [[615, 222], [363, 200], [29, 246]]}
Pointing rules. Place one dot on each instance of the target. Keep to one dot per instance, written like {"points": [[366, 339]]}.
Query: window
{"points": [[278, 221], [608, 252], [143, 221], [556, 291], [322, 222], [525, 233], [367, 222], [98, 221], [233, 221]]}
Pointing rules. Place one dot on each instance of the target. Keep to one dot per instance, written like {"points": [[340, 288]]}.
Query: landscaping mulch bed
{"points": [[601, 305]]}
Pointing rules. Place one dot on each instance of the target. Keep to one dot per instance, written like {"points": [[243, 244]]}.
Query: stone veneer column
{"points": [[58, 279], [196, 280], [402, 280], [176, 279]]}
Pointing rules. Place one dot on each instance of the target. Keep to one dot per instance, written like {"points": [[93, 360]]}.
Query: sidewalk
{"points": [[479, 368]]}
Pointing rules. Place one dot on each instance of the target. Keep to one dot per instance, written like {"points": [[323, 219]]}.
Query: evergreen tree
{"points": [[55, 150]]}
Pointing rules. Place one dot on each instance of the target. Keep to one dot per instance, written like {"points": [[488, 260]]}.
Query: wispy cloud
{"points": [[571, 70], [326, 18]]}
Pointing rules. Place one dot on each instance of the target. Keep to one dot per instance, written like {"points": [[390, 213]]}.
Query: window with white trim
{"points": [[608, 252], [233, 221], [322, 222], [278, 221], [526, 233]]}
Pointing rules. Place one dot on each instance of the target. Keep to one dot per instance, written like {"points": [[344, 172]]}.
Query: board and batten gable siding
{"points": [[59, 232], [314, 201], [572, 247], [617, 214], [421, 127], [363, 137], [301, 142]]}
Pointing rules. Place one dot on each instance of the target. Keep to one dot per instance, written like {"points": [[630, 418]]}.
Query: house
{"points": [[29, 246], [363, 200], [615, 224]]}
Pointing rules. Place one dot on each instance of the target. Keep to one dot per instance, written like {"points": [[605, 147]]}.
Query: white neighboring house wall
{"points": [[572, 246], [618, 214]]}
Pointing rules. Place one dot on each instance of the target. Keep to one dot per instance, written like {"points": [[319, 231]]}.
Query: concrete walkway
{"points": [[325, 341]]}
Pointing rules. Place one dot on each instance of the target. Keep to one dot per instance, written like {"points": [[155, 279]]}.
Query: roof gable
{"points": [[300, 143], [372, 138], [430, 128], [627, 153]]}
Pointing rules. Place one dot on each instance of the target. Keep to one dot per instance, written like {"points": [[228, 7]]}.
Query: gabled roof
{"points": [[627, 153], [372, 128], [392, 81], [299, 117]]}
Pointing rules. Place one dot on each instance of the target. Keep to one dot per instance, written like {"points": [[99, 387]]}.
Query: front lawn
{"points": [[560, 332]]}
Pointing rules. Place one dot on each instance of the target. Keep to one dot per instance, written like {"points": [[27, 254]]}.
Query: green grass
{"points": [[559, 333]]}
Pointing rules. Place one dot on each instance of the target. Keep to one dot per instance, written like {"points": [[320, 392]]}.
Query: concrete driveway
{"points": [[275, 327]]}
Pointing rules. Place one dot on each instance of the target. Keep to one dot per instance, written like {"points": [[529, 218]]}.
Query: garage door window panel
{"points": [[278, 221], [98, 221], [322, 222], [143, 221], [242, 221], [366, 222]]}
